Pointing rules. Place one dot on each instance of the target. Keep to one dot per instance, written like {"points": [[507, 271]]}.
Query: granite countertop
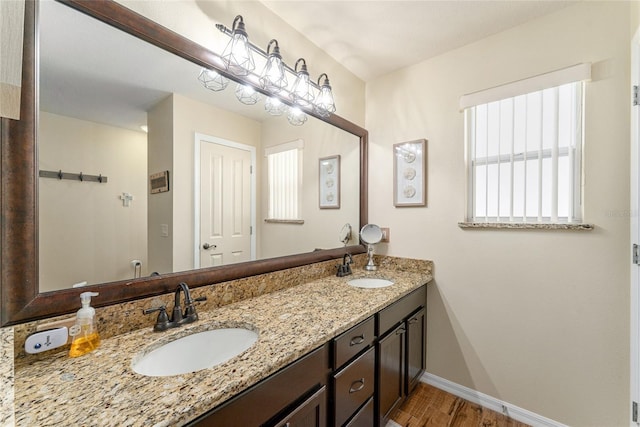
{"points": [[101, 389]]}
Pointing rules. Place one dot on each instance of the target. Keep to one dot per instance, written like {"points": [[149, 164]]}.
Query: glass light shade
{"points": [[213, 80], [296, 116], [301, 92], [274, 77], [246, 94], [325, 103], [274, 106], [237, 55]]}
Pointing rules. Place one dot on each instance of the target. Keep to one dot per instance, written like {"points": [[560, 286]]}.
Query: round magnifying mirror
{"points": [[371, 234]]}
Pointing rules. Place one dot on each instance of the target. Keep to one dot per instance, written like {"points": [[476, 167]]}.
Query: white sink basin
{"points": [[367, 282], [195, 352]]}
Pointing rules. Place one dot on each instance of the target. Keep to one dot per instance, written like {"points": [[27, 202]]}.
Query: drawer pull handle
{"points": [[412, 321], [355, 388], [400, 331], [357, 340]]}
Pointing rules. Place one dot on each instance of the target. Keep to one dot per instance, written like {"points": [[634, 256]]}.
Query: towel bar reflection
{"points": [[73, 176]]}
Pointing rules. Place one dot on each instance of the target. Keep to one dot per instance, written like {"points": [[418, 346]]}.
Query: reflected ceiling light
{"points": [[237, 55], [296, 116], [274, 106], [301, 92], [213, 80], [274, 76], [325, 104], [246, 94]]}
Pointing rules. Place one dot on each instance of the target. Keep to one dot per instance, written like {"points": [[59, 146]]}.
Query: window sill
{"points": [[284, 221], [525, 226]]}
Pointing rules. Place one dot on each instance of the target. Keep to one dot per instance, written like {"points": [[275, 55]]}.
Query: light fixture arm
{"points": [[326, 79], [276, 49], [304, 66]]}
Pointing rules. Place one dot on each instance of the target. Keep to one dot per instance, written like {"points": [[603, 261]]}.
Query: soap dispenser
{"points": [[84, 332]]}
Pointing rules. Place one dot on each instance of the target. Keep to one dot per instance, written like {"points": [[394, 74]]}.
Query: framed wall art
{"points": [[409, 173], [329, 182]]}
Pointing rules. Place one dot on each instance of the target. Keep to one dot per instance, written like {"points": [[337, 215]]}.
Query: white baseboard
{"points": [[489, 402]]}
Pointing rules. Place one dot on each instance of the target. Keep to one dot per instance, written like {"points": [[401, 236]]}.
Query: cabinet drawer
{"points": [[396, 312], [365, 416], [354, 385], [352, 342]]}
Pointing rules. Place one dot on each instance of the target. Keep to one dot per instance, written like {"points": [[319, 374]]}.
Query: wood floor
{"points": [[432, 407]]}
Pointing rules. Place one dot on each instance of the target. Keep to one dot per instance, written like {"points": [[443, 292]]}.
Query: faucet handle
{"points": [[162, 323]]}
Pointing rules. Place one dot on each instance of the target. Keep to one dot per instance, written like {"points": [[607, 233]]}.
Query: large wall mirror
{"points": [[98, 76]]}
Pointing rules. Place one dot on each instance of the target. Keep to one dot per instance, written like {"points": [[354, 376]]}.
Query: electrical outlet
{"points": [[385, 235]]}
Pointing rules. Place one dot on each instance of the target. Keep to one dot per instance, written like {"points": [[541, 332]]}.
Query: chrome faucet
{"points": [[178, 317], [345, 268]]}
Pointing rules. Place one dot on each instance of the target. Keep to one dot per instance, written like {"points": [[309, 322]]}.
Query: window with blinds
{"points": [[524, 155], [284, 170]]}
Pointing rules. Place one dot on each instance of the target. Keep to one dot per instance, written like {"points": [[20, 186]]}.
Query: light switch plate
{"points": [[46, 340]]}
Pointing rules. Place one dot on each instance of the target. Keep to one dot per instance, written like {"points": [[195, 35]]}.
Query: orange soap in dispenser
{"points": [[84, 332]]}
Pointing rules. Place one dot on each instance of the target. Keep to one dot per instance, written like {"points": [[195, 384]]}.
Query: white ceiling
{"points": [[372, 38]]}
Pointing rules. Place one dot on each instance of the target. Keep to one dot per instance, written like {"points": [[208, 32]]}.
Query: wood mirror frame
{"points": [[20, 299]]}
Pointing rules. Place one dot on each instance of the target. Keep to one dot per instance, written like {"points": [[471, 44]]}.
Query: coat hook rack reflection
{"points": [[73, 176]]}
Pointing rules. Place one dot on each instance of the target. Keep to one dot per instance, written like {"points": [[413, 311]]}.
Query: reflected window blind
{"points": [[284, 176], [524, 156]]}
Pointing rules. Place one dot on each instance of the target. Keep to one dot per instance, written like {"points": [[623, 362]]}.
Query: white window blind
{"points": [[524, 152], [284, 170]]}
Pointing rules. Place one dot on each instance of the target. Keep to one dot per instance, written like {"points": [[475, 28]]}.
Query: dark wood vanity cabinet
{"points": [[395, 339], [295, 394], [355, 380], [401, 351]]}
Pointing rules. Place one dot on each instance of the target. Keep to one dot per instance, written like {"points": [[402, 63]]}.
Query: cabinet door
{"points": [[391, 373], [415, 349], [310, 413]]}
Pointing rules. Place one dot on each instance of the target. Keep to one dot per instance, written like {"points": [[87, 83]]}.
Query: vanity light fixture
{"points": [[247, 94], [213, 80], [274, 76], [274, 106], [301, 93], [237, 55], [325, 103], [304, 96]]}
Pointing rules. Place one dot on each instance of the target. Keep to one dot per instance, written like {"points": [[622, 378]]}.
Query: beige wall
{"points": [[160, 158], [539, 319], [86, 234]]}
